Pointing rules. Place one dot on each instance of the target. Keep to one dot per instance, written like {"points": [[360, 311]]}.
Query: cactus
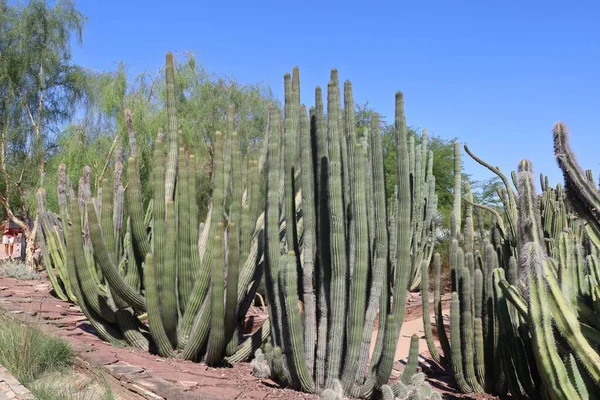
{"points": [[535, 320], [260, 367], [346, 251], [146, 277], [415, 389]]}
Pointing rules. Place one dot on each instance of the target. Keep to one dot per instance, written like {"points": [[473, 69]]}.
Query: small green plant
{"points": [[28, 353], [18, 270]]}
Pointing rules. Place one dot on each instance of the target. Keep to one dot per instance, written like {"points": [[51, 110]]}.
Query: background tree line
{"points": [[53, 111]]}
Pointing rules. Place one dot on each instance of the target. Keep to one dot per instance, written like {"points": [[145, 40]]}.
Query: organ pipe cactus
{"points": [[145, 276], [322, 200], [539, 315]]}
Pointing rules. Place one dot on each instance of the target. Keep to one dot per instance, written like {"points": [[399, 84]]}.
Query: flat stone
{"points": [[12, 382], [174, 376], [68, 320], [162, 387], [104, 357], [270, 383], [19, 389], [189, 384], [120, 369]]}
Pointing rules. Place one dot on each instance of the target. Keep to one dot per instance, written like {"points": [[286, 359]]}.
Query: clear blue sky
{"points": [[495, 74]]}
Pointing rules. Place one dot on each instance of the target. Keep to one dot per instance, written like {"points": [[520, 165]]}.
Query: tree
{"points": [[39, 90], [204, 99]]}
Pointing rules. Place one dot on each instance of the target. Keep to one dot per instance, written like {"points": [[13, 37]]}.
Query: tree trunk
{"points": [[30, 248]]}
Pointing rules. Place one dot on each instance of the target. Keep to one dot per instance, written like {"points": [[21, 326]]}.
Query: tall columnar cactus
{"points": [[326, 233], [536, 320], [145, 276]]}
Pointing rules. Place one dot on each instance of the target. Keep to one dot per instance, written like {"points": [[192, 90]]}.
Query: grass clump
{"points": [[18, 270], [52, 387], [28, 353], [45, 364]]}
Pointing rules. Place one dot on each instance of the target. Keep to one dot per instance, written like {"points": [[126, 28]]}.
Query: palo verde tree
{"points": [[39, 89]]}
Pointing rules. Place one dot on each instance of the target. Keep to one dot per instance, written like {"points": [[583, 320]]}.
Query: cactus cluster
{"points": [[336, 256], [416, 389], [525, 311], [328, 243], [154, 278], [471, 352]]}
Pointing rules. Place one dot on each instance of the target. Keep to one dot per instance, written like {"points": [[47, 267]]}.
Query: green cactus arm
{"points": [[457, 189], [514, 297], [109, 270], [105, 330], [456, 362], [435, 355], [296, 360], [58, 255], [340, 138], [582, 195], [358, 286], [186, 227], [403, 237], [133, 274], [413, 360], [488, 316], [347, 129], [58, 288], [323, 267], [467, 335], [309, 237], [199, 331], [552, 369], [193, 222], [233, 273], [338, 237], [437, 304], [522, 378], [49, 265], [567, 324], [165, 348], [206, 246], [272, 215], [380, 256], [93, 298], [566, 273], [130, 326], [135, 208], [511, 194], [167, 286], [172, 130], [250, 345], [216, 340], [379, 375]]}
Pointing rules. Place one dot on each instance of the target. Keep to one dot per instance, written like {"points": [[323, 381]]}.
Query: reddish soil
{"points": [[142, 375]]}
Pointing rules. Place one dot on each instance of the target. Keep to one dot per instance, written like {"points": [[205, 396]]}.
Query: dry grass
{"points": [[72, 386], [17, 269], [28, 353], [44, 364]]}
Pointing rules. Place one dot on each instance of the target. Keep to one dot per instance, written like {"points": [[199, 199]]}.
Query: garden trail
{"points": [[10, 388], [156, 376]]}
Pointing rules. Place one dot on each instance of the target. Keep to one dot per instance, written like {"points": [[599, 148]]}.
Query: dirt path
{"points": [[142, 375]]}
